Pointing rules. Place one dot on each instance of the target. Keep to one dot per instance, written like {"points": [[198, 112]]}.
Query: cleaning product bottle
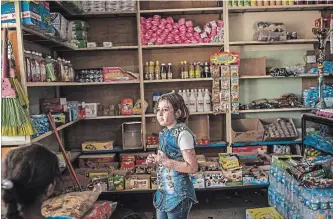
{"points": [[207, 102], [71, 71], [147, 71], [186, 99], [50, 76], [181, 93], [200, 102], [192, 102]]}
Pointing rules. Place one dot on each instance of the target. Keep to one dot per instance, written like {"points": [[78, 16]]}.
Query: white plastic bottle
{"points": [[192, 102], [200, 102], [180, 93], [207, 101], [186, 99]]}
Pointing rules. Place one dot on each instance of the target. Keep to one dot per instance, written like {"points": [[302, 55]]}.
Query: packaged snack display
{"points": [[89, 75], [101, 210], [268, 31], [258, 213], [97, 146], [91, 109], [126, 106], [60, 26]]}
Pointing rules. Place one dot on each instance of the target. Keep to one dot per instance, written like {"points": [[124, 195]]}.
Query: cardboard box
{"points": [[258, 213], [92, 161], [234, 176], [153, 180], [30, 13], [117, 180], [132, 135], [247, 130], [97, 173], [228, 161], [208, 166], [137, 182], [126, 165], [97, 145], [214, 179], [201, 158], [266, 122], [144, 169], [256, 176], [198, 180], [91, 109], [253, 67]]}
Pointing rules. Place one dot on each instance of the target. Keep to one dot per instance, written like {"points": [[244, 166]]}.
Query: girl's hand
{"points": [[161, 157], [151, 159]]}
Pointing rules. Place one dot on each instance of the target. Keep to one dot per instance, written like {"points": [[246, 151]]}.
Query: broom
{"points": [[15, 120]]}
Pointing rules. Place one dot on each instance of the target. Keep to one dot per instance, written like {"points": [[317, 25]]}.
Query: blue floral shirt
{"points": [[173, 186]]}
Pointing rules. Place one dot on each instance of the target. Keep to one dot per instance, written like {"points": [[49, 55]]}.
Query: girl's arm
{"points": [[189, 165]]}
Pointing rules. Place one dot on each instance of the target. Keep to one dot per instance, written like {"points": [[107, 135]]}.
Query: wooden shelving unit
{"points": [[123, 28]]}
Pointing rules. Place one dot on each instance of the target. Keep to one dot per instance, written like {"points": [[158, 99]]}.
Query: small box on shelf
{"points": [[131, 133], [247, 130]]}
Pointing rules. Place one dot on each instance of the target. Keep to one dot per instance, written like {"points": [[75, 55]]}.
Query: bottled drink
{"points": [[182, 70], [71, 71], [185, 70], [50, 76], [197, 70], [151, 71], [28, 65], [200, 102], [147, 71], [169, 72], [207, 102], [42, 67], [163, 72], [192, 73], [157, 71]]}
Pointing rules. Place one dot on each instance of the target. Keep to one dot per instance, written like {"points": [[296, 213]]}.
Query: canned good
{"points": [[294, 35], [253, 2], [278, 2], [272, 3], [240, 3], [234, 3], [246, 2]]}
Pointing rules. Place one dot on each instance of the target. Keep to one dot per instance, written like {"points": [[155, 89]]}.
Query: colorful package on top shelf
{"points": [[77, 33], [159, 31], [31, 14], [92, 7], [59, 26]]}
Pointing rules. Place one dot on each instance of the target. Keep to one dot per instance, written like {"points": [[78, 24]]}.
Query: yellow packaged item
{"points": [[229, 162], [97, 145], [137, 109], [260, 213]]}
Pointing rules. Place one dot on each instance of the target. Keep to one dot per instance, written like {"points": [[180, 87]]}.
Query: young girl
{"points": [[28, 178], [175, 158]]}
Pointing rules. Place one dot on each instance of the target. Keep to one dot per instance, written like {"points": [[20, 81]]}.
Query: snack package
{"points": [[138, 107], [127, 106]]}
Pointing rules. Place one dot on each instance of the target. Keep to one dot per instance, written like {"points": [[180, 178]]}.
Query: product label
{"points": [[43, 72], [28, 69], [37, 70]]}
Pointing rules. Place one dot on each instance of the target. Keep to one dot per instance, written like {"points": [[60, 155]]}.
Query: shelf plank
{"points": [[113, 117], [281, 77], [133, 191], [8, 25], [117, 149], [189, 45], [263, 143], [74, 156], [208, 10], [108, 48], [46, 39], [280, 8], [275, 110], [193, 114], [297, 41], [58, 84], [178, 80], [51, 132]]}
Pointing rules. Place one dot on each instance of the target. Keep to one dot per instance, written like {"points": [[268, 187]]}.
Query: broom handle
{"points": [[4, 54], [68, 163]]}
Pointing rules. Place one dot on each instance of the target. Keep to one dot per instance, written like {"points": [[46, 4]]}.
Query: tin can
{"points": [[284, 2], [234, 3], [240, 3], [294, 35]]}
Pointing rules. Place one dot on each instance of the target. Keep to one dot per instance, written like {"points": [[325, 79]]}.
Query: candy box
{"points": [[198, 180], [126, 106], [91, 161], [117, 74], [127, 157], [97, 145], [258, 213], [255, 176], [97, 173], [45, 16], [91, 109], [208, 166], [60, 26], [153, 180], [214, 179], [117, 180], [137, 182], [227, 161], [126, 165], [234, 176]]}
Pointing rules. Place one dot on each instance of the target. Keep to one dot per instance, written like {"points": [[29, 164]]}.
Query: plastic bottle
{"points": [[71, 71], [66, 69], [28, 65], [200, 102], [50, 76], [185, 70], [323, 199], [169, 72], [197, 70], [60, 70], [191, 70], [151, 71], [147, 71], [157, 71], [186, 99], [34, 76], [182, 69], [42, 66], [192, 102], [207, 101], [163, 72]]}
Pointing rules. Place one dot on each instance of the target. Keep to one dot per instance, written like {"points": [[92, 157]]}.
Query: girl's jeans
{"points": [[181, 211]]}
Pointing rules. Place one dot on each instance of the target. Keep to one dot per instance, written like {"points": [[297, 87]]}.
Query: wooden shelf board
{"points": [[177, 80], [280, 8], [275, 110], [209, 10], [297, 41], [108, 48], [116, 149], [55, 84], [263, 143], [197, 189], [171, 46], [113, 117], [46, 38], [281, 77], [51, 132], [191, 114]]}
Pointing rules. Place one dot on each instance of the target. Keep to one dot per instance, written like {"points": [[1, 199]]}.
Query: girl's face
{"points": [[165, 114]]}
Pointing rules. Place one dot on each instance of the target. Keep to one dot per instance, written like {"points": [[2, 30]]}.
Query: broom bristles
{"points": [[24, 101], [15, 120]]}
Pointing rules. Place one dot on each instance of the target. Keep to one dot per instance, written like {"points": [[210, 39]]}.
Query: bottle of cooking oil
{"points": [[197, 70], [192, 73], [182, 69], [147, 71], [185, 70], [157, 71], [151, 70]]}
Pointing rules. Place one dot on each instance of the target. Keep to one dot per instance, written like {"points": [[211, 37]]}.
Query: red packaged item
{"points": [[101, 210], [126, 106], [125, 165]]}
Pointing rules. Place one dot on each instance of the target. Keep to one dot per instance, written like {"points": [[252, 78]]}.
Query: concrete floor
{"points": [[212, 205]]}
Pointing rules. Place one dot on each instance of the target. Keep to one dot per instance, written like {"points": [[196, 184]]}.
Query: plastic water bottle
{"points": [[324, 200]]}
